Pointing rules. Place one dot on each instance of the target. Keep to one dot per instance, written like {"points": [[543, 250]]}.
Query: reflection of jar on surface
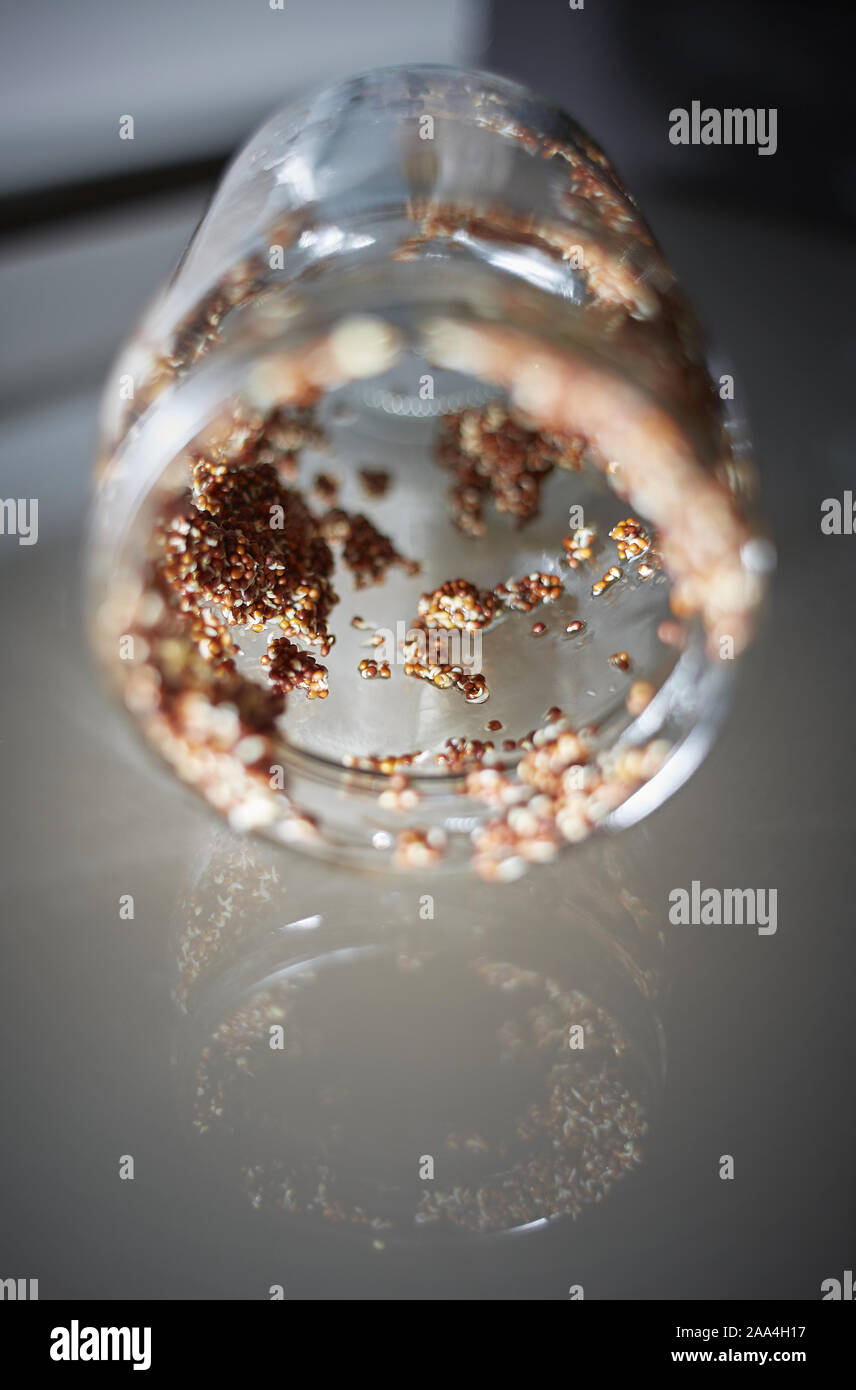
{"points": [[403, 1063], [429, 288]]}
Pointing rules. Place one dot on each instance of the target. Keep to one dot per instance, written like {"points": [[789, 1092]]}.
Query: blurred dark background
{"points": [[760, 1032], [618, 66]]}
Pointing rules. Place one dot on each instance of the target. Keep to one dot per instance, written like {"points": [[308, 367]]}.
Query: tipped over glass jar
{"points": [[423, 420]]}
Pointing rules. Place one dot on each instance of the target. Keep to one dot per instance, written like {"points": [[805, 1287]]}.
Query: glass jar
{"points": [[423, 384]]}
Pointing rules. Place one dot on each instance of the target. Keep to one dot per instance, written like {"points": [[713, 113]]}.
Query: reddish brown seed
{"points": [[620, 660], [538, 629], [375, 481], [493, 725], [552, 714], [576, 627], [326, 488], [457, 604]]}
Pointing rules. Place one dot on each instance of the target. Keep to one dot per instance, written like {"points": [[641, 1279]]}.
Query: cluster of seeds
{"points": [[634, 540], [371, 670], [247, 544], [522, 595], [334, 525], [387, 764], [366, 551], [291, 669], [458, 604], [215, 728], [201, 328], [526, 834], [494, 457], [443, 675], [630, 537], [419, 849], [612, 576], [212, 640], [580, 546], [472, 684], [276, 437], [461, 753], [559, 791], [243, 435]]}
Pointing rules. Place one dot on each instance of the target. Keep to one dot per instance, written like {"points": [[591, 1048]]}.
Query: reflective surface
{"points": [[760, 1035]]}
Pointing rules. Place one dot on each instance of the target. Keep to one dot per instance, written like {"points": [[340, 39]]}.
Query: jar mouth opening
{"points": [[442, 796]]}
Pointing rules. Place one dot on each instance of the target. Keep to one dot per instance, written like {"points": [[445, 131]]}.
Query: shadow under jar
{"points": [[421, 537]]}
